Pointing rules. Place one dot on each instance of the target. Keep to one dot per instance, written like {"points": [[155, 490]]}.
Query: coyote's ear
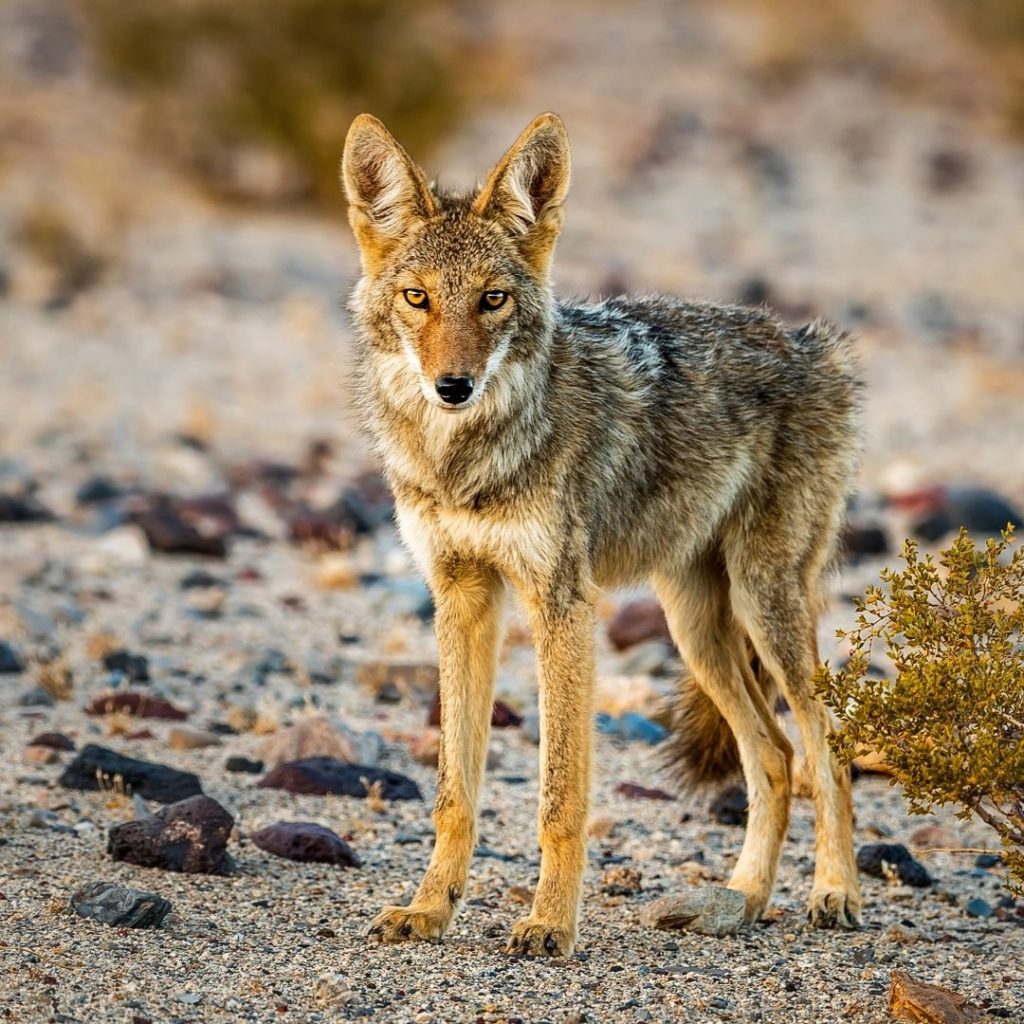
{"points": [[387, 193], [525, 190]]}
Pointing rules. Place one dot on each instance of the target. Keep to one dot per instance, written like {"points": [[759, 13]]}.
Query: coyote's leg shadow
{"points": [[468, 599]]}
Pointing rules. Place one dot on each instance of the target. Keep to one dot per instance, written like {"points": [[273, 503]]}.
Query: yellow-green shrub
{"points": [[951, 723]]}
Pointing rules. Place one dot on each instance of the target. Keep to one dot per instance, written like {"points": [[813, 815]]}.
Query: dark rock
{"points": [[53, 740], [502, 716], [152, 781], [10, 662], [201, 579], [323, 530], [180, 528], [120, 906], [864, 540], [871, 858], [15, 508], [635, 792], [978, 908], [189, 836], [987, 860], [243, 764], [37, 697], [140, 705], [948, 169], [98, 489], [730, 806], [637, 621], [366, 503], [324, 775], [305, 841], [134, 666]]}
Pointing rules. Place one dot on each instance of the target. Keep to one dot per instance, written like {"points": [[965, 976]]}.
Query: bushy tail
{"points": [[701, 746]]}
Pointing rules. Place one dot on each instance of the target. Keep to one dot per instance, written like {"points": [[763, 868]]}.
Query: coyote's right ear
{"points": [[526, 190], [387, 193]]}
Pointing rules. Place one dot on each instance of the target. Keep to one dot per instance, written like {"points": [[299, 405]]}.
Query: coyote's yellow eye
{"points": [[416, 297], [493, 300]]}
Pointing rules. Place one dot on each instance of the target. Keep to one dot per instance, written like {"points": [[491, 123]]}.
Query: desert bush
{"points": [[255, 95], [951, 723]]}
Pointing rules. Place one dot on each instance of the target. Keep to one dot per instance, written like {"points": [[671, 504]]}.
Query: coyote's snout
{"points": [[558, 449]]}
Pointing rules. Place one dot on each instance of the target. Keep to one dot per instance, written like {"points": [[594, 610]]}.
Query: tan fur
{"points": [[705, 448]]}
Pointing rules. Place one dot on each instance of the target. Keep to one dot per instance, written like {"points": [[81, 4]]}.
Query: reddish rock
{"points": [[305, 841], [502, 716], [189, 836], [323, 775], [635, 792], [139, 705], [54, 740], [426, 747], [637, 621]]}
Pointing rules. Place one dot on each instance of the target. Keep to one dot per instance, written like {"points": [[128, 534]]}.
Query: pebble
{"points": [[407, 676], [10, 662], [312, 736], [635, 792], [152, 781], [730, 806], [243, 764], [708, 910], [988, 860], [139, 705], [191, 739], [37, 697], [323, 775], [134, 667], [54, 740], [426, 747], [189, 836], [305, 841], [621, 880], [631, 726], [636, 621], [875, 858], [40, 755], [978, 907], [119, 906]]}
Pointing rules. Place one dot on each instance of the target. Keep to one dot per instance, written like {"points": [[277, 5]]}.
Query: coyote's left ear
{"points": [[387, 193], [526, 189]]}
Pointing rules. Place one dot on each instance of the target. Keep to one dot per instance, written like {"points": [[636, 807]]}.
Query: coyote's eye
{"points": [[492, 300], [416, 297]]}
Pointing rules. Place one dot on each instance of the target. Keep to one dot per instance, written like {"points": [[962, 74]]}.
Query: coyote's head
{"points": [[452, 283]]}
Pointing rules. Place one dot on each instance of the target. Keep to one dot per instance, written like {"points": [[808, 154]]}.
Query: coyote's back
{"points": [[559, 448]]}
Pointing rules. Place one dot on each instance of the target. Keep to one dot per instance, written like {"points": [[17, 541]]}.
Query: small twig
{"points": [[956, 849]]}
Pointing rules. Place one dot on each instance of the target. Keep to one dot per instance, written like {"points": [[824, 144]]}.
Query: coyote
{"points": [[565, 447]]}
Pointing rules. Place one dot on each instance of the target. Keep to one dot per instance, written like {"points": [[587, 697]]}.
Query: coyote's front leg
{"points": [[565, 653], [468, 599]]}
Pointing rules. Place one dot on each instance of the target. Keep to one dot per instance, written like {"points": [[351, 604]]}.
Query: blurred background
{"points": [[174, 253]]}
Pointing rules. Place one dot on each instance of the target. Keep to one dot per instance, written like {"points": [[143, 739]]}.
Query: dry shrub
{"points": [[256, 95], [951, 724]]}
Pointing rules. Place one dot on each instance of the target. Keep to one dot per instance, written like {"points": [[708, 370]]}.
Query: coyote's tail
{"points": [[701, 747]]}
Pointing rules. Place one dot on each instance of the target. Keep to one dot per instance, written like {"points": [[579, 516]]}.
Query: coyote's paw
{"points": [[406, 924], [536, 938], [834, 908]]}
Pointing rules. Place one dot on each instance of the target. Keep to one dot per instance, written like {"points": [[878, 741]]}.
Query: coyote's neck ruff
{"points": [[563, 448]]}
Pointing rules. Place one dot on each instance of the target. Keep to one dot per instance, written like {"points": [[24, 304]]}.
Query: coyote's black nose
{"points": [[454, 390]]}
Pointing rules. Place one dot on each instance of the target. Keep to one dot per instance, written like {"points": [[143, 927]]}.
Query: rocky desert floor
{"points": [[190, 392]]}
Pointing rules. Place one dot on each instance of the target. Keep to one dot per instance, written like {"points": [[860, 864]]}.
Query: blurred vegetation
{"points": [[255, 96], [998, 26], [951, 725]]}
